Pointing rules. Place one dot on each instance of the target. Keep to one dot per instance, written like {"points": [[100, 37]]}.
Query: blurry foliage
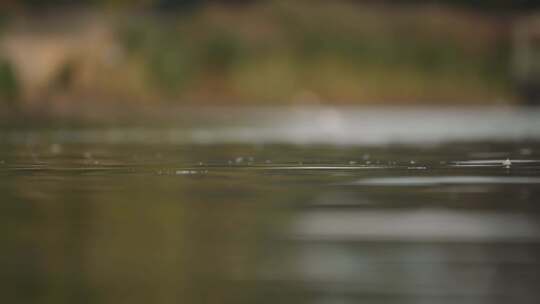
{"points": [[120, 4], [9, 87], [170, 67], [65, 77], [175, 58], [221, 51], [495, 5], [282, 50], [167, 57]]}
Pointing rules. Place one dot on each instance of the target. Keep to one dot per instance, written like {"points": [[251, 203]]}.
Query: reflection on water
{"points": [[169, 222]]}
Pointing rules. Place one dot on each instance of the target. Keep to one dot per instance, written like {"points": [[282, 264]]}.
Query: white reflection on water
{"points": [[444, 180], [417, 225], [493, 162], [317, 125]]}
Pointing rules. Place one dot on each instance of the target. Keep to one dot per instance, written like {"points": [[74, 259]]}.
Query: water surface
{"points": [[308, 206]]}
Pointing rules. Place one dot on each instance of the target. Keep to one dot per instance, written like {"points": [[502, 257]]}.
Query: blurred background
{"points": [[57, 55], [269, 151]]}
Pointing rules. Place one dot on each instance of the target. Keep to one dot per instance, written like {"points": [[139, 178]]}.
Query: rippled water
{"points": [[318, 206]]}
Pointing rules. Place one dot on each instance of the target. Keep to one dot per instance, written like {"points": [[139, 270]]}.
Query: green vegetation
{"points": [[289, 52], [494, 5], [9, 88], [339, 52]]}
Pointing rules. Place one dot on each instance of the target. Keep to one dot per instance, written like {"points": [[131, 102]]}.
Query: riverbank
{"points": [[270, 52]]}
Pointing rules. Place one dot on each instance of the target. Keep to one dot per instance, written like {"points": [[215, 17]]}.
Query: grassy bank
{"points": [[271, 52]]}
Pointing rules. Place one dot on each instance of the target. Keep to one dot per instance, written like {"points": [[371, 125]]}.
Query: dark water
{"points": [[173, 215]]}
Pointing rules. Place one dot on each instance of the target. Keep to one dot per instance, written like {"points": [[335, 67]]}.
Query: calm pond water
{"points": [[316, 206]]}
